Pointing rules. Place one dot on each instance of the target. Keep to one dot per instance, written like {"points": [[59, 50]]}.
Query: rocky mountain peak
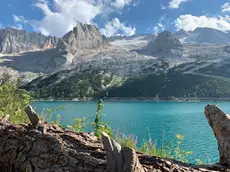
{"points": [[166, 45], [167, 39], [180, 34], [15, 41], [209, 35], [84, 36], [203, 29]]}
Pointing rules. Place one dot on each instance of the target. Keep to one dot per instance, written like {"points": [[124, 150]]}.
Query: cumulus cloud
{"points": [[189, 22], [176, 3], [116, 28], [119, 4], [225, 7], [60, 16]]}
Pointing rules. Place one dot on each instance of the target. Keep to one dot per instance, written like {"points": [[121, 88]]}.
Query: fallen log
{"points": [[50, 148]]}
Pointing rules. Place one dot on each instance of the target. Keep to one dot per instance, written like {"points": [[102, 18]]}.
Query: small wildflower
{"points": [[179, 137]]}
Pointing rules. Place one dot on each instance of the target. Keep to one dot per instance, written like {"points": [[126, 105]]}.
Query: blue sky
{"points": [[114, 17]]}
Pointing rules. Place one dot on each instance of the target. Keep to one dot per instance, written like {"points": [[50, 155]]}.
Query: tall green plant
{"points": [[99, 125], [49, 113], [178, 153], [13, 100], [79, 124]]}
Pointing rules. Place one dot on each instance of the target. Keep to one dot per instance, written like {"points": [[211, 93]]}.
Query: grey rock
{"points": [[209, 35], [166, 45], [181, 34], [203, 35], [83, 36], [15, 41], [147, 37], [32, 115]]}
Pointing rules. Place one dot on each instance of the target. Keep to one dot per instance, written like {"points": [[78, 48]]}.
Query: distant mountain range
{"points": [[15, 41], [84, 63], [203, 35]]}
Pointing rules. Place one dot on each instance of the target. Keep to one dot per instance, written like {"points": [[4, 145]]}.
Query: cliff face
{"points": [[83, 36], [15, 41], [166, 45]]}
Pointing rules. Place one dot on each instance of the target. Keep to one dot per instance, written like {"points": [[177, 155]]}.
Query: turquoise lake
{"points": [[135, 117]]}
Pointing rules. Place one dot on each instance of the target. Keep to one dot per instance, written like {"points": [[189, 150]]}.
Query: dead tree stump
{"points": [[220, 123]]}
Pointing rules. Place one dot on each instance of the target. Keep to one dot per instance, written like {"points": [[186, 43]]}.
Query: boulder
{"points": [[166, 45]]}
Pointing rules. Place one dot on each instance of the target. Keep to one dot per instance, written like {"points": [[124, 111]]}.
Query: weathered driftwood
{"points": [[26, 148], [120, 159], [220, 123]]}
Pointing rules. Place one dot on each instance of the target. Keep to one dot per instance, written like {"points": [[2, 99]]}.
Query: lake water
{"points": [[135, 117]]}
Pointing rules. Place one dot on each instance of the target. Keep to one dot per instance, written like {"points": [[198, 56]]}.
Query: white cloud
{"points": [[119, 4], [63, 16], [115, 28], [66, 15], [19, 27], [189, 22], [136, 3], [159, 26], [20, 19], [17, 18], [60, 16], [163, 7], [176, 3], [225, 7]]}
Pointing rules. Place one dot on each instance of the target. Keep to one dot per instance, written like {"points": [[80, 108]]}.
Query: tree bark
{"points": [[220, 124]]}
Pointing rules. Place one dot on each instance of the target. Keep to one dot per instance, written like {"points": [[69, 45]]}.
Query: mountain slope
{"points": [[203, 35], [84, 63], [15, 41], [83, 37], [166, 45]]}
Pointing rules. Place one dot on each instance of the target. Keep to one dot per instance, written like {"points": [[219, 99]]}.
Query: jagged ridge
{"points": [[15, 41]]}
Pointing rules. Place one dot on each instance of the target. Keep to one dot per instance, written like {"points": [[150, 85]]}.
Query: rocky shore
{"points": [[44, 147]]}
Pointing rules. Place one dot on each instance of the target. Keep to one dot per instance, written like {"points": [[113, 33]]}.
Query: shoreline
{"points": [[88, 99]]}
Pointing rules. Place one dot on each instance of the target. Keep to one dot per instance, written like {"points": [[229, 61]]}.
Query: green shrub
{"points": [[78, 125], [13, 100], [165, 150], [124, 140], [49, 113]]}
